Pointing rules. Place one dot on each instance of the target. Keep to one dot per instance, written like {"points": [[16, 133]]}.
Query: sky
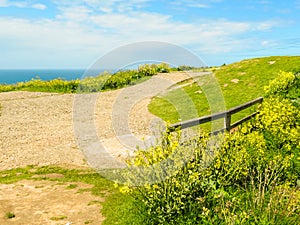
{"points": [[69, 34]]}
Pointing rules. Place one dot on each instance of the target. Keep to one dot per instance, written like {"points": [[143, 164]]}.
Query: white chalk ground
{"points": [[42, 128]]}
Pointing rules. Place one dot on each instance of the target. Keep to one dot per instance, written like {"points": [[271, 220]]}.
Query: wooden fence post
{"points": [[227, 121]]}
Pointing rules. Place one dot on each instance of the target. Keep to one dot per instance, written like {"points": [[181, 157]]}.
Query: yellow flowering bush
{"points": [[281, 84], [251, 176]]}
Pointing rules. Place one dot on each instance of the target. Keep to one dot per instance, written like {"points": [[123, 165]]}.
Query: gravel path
{"points": [[38, 128]]}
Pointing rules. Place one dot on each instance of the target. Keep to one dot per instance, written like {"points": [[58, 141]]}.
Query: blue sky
{"points": [[75, 33]]}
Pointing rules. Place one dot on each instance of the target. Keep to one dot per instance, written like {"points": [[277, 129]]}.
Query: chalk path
{"points": [[76, 130]]}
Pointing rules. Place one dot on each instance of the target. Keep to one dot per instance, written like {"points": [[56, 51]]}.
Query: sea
{"points": [[12, 76]]}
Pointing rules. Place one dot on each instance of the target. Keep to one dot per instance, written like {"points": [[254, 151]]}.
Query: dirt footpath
{"points": [[37, 128]]}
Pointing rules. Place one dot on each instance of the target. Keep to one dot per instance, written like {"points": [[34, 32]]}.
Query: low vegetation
{"points": [[10, 215], [102, 82], [57, 218], [68, 175], [252, 177]]}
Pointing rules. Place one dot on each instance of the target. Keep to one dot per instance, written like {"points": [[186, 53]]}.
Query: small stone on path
{"points": [[235, 81]]}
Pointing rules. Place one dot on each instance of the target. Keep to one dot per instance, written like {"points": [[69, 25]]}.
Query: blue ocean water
{"points": [[14, 76]]}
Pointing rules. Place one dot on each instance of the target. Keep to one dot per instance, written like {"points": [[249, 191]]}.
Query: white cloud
{"points": [[39, 6], [3, 3], [264, 43], [75, 28], [105, 6], [22, 4], [268, 43], [75, 13], [267, 25], [196, 3], [83, 30], [265, 2]]}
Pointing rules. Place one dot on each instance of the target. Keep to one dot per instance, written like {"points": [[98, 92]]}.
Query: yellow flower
{"points": [[125, 190]]}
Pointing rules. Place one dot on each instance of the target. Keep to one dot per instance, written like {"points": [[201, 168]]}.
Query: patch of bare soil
{"points": [[48, 202]]}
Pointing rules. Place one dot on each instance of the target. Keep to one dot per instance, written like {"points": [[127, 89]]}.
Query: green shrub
{"points": [[7, 88], [184, 68], [250, 176], [150, 70], [163, 68], [175, 195], [56, 85], [281, 84], [102, 82], [147, 70]]}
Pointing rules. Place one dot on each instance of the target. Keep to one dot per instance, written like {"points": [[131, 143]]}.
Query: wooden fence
{"points": [[226, 115]]}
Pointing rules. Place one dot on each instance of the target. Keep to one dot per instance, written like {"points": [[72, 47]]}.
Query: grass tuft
{"points": [[10, 215]]}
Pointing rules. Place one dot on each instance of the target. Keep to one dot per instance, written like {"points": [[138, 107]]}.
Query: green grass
{"points": [[72, 186], [60, 217], [253, 75], [10, 215], [117, 208], [121, 209]]}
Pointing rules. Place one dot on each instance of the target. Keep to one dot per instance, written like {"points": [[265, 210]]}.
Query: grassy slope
{"points": [[253, 75]]}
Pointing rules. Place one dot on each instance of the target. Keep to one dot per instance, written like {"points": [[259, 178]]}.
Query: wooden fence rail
{"points": [[226, 115]]}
